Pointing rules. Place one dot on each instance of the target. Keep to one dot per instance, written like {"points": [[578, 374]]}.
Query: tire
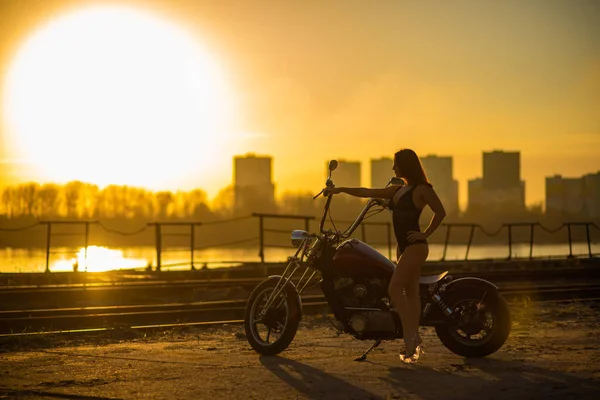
{"points": [[282, 321], [457, 336]]}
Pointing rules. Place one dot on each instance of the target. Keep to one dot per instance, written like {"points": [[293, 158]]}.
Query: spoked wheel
{"points": [[271, 330], [481, 323]]}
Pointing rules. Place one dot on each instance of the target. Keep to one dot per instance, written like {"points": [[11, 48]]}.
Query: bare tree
{"points": [[165, 201], [49, 200]]}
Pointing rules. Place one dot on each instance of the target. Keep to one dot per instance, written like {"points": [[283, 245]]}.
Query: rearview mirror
{"points": [[333, 165]]}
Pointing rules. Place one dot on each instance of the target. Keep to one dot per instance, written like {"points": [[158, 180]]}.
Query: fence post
{"points": [[48, 233], [306, 224], [261, 239], [470, 240], [446, 241], [509, 241], [158, 239], [531, 226], [87, 235], [192, 241], [570, 244], [589, 240]]}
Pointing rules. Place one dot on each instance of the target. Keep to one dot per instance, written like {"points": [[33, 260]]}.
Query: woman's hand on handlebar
{"points": [[381, 202], [331, 190]]}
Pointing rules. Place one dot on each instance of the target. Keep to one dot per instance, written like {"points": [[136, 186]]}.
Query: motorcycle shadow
{"points": [[312, 382]]}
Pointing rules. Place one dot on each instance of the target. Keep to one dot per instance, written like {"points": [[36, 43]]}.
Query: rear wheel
{"points": [[271, 330], [481, 322]]}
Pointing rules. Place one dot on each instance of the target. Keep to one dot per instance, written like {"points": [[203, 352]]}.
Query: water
{"points": [[103, 258]]}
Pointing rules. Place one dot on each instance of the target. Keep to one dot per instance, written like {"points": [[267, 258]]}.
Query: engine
{"points": [[367, 304], [361, 292]]}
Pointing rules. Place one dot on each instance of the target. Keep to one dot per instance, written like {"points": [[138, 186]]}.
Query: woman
{"points": [[407, 202]]}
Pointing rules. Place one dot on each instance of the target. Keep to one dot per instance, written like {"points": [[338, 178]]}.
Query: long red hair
{"points": [[410, 167]]}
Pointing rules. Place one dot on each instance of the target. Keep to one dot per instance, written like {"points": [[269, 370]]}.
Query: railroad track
{"points": [[227, 311]]}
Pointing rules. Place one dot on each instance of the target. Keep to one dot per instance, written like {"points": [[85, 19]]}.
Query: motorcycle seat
{"points": [[431, 279]]}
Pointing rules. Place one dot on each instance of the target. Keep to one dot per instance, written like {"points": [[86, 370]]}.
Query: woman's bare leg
{"points": [[412, 290], [404, 291]]}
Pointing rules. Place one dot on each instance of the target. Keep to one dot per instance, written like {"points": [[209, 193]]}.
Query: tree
{"points": [[8, 201], [49, 200], [72, 195], [28, 193], [223, 202], [164, 200]]}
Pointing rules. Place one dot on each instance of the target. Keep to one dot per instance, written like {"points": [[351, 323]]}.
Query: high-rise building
{"points": [[573, 196], [501, 188], [381, 171], [439, 171], [591, 183], [501, 170], [253, 183], [347, 173]]}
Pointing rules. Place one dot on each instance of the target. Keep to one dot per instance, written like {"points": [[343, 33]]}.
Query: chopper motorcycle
{"points": [[470, 316]]}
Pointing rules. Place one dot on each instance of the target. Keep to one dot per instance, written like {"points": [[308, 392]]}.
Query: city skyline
{"points": [[440, 78], [267, 164]]}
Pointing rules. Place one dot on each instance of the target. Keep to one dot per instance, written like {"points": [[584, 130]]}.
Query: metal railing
{"points": [[262, 229], [511, 242], [49, 235], [193, 226]]}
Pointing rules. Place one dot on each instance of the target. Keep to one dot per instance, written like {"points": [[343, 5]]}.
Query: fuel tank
{"points": [[355, 258]]}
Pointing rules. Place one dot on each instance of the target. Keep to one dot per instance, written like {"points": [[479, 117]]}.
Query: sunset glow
{"points": [[98, 259], [116, 96], [103, 93]]}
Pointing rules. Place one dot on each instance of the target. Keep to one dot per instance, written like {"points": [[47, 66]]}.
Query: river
{"points": [[103, 258]]}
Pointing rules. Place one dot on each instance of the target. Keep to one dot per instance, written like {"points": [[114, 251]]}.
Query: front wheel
{"points": [[270, 331], [481, 322]]}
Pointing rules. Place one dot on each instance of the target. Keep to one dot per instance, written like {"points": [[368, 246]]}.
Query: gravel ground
{"points": [[553, 353]]}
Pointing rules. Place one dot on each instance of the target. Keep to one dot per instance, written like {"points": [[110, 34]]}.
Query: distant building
{"points": [[501, 188], [591, 183], [253, 183], [439, 171], [501, 170], [381, 171], [573, 196], [498, 200], [347, 173]]}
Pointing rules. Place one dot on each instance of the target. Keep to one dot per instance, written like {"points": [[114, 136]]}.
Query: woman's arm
{"points": [[384, 193], [431, 198]]}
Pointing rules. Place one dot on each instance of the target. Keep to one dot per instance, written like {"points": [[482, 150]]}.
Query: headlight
{"points": [[298, 236]]}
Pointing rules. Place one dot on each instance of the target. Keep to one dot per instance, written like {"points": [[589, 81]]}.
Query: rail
{"points": [[27, 321]]}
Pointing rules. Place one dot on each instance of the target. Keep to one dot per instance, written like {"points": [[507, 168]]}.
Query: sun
{"points": [[114, 95]]}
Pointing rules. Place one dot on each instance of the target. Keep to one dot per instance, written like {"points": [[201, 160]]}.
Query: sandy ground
{"points": [[553, 353]]}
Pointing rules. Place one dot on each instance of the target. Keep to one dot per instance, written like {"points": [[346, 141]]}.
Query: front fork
{"points": [[294, 263]]}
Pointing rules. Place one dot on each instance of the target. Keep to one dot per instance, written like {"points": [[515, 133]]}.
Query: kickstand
{"points": [[364, 356]]}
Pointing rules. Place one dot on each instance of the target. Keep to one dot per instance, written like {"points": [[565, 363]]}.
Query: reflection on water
{"points": [[97, 259], [103, 259]]}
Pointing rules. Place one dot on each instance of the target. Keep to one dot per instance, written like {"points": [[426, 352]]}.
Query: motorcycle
{"points": [[470, 316]]}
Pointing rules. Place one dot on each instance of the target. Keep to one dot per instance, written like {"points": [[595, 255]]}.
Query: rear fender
{"points": [[289, 286], [462, 283]]}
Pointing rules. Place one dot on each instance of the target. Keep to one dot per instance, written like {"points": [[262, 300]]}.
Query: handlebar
{"points": [[372, 201]]}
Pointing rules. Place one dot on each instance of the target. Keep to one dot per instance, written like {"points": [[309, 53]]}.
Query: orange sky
{"points": [[359, 80]]}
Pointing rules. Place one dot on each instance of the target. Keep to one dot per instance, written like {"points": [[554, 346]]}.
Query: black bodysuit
{"points": [[405, 216]]}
